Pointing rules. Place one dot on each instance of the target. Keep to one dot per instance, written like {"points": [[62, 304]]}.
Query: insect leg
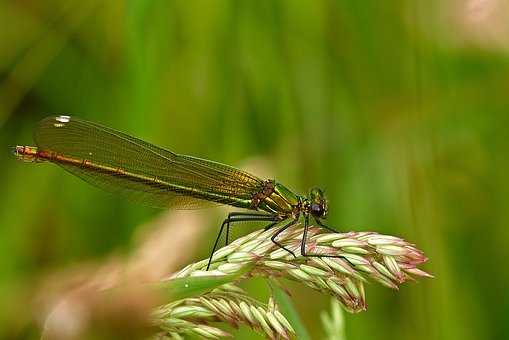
{"points": [[215, 243], [320, 223], [286, 226], [238, 217], [304, 236], [270, 225], [304, 241]]}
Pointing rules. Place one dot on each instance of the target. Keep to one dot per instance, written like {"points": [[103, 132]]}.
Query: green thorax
{"points": [[280, 201]]}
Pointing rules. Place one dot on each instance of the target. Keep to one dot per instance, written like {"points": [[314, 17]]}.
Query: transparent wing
{"points": [[194, 181]]}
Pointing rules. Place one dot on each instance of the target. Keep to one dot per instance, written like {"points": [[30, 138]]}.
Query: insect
{"points": [[119, 163]]}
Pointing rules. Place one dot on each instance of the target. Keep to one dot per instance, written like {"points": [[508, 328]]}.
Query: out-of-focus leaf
{"points": [[288, 310], [181, 288], [334, 323]]}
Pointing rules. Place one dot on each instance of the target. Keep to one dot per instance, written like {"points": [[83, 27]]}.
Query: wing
{"points": [[146, 173]]}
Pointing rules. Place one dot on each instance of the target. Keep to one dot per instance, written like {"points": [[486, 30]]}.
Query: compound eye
{"points": [[316, 209]]}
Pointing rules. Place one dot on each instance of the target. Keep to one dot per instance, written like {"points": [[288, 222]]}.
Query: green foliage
{"points": [[334, 322], [288, 309], [181, 288]]}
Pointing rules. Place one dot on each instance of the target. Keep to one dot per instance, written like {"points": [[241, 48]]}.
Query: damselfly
{"points": [[119, 163]]}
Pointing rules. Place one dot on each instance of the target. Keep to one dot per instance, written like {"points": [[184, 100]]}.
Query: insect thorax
{"points": [[275, 198]]}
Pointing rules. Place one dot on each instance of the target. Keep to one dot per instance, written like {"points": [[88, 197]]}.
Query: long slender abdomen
{"points": [[30, 154], [35, 154]]}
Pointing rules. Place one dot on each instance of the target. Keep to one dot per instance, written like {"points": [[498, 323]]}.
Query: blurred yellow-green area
{"points": [[398, 109]]}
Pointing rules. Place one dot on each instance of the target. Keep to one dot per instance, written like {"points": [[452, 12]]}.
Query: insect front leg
{"points": [[320, 223], [303, 243]]}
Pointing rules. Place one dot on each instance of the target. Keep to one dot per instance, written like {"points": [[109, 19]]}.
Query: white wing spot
{"points": [[63, 119]]}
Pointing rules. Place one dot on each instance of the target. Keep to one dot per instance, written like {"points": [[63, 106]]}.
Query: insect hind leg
{"points": [[238, 217], [234, 217]]}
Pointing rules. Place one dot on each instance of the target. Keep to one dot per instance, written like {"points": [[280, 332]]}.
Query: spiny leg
{"points": [[286, 226], [270, 225], [238, 217], [304, 236], [320, 223], [304, 241], [215, 243]]}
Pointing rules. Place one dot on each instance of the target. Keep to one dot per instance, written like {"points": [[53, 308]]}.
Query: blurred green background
{"points": [[399, 109]]}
